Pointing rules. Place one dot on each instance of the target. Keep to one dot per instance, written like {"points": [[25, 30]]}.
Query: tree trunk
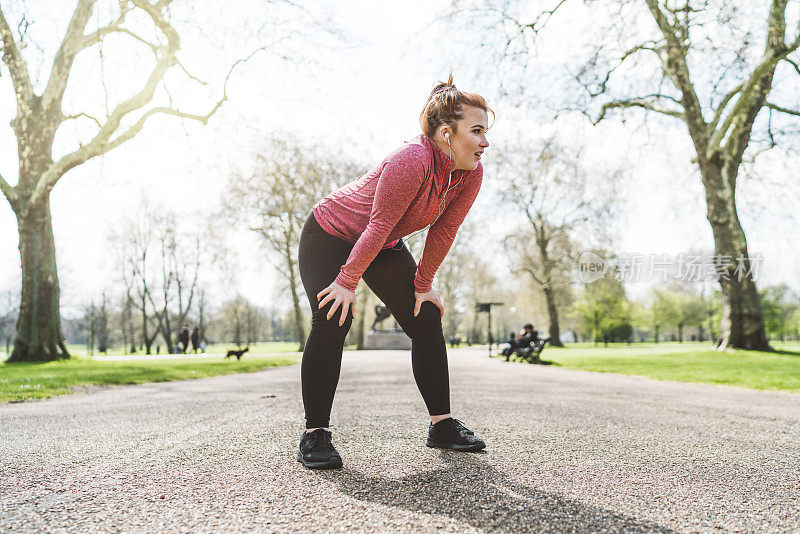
{"points": [[361, 323], [202, 310], [102, 328], [147, 341], [542, 241], [300, 330], [552, 312], [39, 337], [124, 326], [742, 324], [92, 324], [166, 328]]}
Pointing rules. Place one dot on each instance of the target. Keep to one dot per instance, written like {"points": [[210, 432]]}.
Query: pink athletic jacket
{"points": [[403, 194]]}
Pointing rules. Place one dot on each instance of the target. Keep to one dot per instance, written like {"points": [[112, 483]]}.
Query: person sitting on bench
{"points": [[528, 337], [512, 345]]}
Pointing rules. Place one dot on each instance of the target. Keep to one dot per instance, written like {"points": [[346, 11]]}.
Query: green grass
{"points": [[217, 348], [270, 347], [25, 381], [688, 362]]}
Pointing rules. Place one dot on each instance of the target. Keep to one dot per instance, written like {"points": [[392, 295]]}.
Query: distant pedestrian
{"points": [[195, 339], [183, 339], [203, 346]]}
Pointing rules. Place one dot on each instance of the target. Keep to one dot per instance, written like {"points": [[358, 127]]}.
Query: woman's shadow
{"points": [[471, 491]]}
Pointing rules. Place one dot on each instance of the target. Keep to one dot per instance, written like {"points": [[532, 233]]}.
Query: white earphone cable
{"points": [[441, 198]]}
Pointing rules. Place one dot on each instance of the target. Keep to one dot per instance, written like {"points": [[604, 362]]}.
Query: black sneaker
{"points": [[317, 451], [452, 434]]}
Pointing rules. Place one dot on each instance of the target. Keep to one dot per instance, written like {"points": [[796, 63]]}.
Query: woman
{"points": [[355, 232]]}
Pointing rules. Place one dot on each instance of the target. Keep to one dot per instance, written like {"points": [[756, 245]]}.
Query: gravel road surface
{"points": [[567, 451]]}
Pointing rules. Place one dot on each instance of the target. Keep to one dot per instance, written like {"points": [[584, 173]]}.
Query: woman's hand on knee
{"points": [[339, 296], [431, 296]]}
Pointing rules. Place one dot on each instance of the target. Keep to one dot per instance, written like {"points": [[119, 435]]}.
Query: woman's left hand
{"points": [[431, 296]]}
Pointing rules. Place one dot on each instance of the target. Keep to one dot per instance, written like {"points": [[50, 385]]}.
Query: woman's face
{"points": [[469, 140]]}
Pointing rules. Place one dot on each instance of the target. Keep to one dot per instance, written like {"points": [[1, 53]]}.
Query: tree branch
{"points": [[543, 18], [9, 191], [723, 104], [676, 66], [743, 112], [783, 110], [102, 32], [648, 45], [62, 63], [68, 117], [793, 64], [637, 103], [16, 64], [137, 127], [102, 142], [190, 75]]}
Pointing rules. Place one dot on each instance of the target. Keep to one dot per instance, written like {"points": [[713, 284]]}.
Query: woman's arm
{"points": [[398, 184], [443, 231]]}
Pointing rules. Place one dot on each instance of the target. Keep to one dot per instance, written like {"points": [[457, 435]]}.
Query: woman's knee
{"points": [[428, 322], [321, 323]]}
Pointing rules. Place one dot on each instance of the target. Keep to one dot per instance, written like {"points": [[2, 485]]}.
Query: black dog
{"points": [[237, 353]]}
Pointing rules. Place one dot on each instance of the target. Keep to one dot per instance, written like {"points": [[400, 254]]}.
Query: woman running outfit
{"points": [[354, 233]]}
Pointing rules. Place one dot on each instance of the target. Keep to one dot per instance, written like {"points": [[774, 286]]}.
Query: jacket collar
{"points": [[442, 165]]}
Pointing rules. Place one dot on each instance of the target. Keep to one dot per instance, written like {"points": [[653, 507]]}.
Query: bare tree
{"points": [[147, 25], [160, 265], [127, 325], [179, 262], [241, 321], [275, 199], [133, 244], [39, 117], [90, 327], [554, 192], [700, 62], [102, 326], [201, 313]]}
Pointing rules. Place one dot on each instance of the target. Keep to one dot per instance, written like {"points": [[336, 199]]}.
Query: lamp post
{"points": [[486, 307]]}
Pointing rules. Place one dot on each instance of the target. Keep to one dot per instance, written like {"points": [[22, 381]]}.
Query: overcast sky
{"points": [[362, 97]]}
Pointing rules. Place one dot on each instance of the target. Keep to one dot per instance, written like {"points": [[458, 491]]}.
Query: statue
{"points": [[393, 339], [381, 314]]}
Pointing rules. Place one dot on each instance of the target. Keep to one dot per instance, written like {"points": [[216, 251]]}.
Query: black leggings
{"points": [[391, 277]]}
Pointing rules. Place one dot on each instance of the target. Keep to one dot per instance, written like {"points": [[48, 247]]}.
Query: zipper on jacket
{"points": [[441, 196]]}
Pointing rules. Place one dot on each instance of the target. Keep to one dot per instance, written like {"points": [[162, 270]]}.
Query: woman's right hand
{"points": [[339, 296]]}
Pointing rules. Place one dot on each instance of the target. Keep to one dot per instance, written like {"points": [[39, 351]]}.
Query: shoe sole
{"points": [[453, 446], [333, 463]]}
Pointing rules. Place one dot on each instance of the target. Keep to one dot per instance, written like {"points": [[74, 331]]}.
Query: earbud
{"points": [[447, 135]]}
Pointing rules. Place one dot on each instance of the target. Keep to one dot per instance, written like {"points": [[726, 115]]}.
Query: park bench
{"points": [[529, 353]]}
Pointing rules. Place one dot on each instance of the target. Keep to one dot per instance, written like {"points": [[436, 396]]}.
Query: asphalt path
{"points": [[567, 451]]}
